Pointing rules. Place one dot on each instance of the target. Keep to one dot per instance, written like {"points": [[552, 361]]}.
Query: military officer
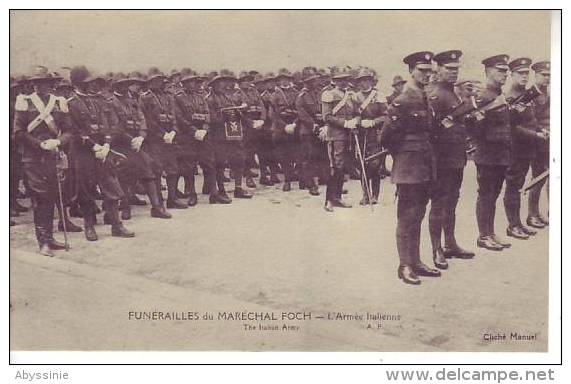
{"points": [[42, 126], [139, 166], [161, 141], [398, 86], [226, 132], [97, 162], [449, 143], [340, 113], [308, 106], [268, 172], [525, 138], [284, 126], [540, 164], [492, 135], [414, 169], [193, 121], [372, 110], [254, 118]]}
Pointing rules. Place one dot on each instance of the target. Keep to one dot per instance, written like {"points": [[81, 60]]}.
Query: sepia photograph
{"points": [[282, 180]]}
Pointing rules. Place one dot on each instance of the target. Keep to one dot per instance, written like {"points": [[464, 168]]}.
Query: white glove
{"points": [[169, 137], [137, 142], [350, 124], [199, 134], [519, 107], [257, 124], [50, 144], [290, 128], [323, 132], [103, 151], [543, 135], [447, 122], [367, 123], [479, 115]]}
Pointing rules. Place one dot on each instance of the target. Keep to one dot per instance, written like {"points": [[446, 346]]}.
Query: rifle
{"points": [[528, 96], [535, 181], [464, 108]]}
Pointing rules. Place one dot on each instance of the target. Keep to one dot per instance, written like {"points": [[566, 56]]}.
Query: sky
{"points": [[268, 40]]}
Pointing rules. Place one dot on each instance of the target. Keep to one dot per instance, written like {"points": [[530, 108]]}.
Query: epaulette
{"points": [[21, 103]]}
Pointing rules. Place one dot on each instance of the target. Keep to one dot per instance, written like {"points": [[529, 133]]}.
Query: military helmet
{"points": [[187, 74], [120, 77], [224, 74], [309, 73], [269, 76], [41, 73], [284, 72], [365, 72], [258, 78], [154, 73], [341, 72], [137, 77], [246, 76]]}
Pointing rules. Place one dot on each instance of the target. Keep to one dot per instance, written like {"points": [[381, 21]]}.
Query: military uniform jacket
{"points": [[255, 108], [129, 118], [308, 105], [449, 143], [216, 101], [282, 104], [330, 99], [541, 104], [191, 114], [524, 127], [266, 96], [392, 97], [493, 133], [371, 107], [25, 112], [91, 117], [407, 136], [158, 108]]}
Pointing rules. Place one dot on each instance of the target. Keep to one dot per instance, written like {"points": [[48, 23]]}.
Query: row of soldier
{"points": [[112, 136]]}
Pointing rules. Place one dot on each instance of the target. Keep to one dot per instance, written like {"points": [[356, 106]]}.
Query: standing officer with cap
{"points": [[340, 113], [492, 134], [226, 132], [42, 127], [284, 125], [398, 86], [139, 166], [525, 138], [449, 143], [308, 106], [541, 162], [96, 162], [160, 142], [407, 136], [372, 110], [193, 121]]}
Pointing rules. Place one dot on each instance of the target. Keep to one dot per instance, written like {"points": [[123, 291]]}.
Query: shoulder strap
{"points": [[341, 103], [368, 100], [44, 113]]}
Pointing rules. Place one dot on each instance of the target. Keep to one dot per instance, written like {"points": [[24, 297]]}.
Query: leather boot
{"points": [[118, 230], [89, 225], [240, 193], [192, 200], [160, 212], [250, 182], [45, 250], [218, 198], [287, 186], [439, 258], [407, 275]]}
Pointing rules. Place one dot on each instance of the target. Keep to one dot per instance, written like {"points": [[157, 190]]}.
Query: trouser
{"points": [[444, 195], [490, 181], [285, 151], [371, 147], [92, 173], [139, 168], [337, 155], [41, 182], [515, 178], [309, 157], [252, 146], [411, 207], [266, 154], [233, 153], [15, 172], [539, 165], [165, 160]]}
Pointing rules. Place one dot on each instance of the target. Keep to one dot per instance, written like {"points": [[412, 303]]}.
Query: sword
{"points": [[62, 208], [533, 182], [363, 172]]}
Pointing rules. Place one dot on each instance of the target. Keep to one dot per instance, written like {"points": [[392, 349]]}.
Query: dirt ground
{"points": [[279, 252]]}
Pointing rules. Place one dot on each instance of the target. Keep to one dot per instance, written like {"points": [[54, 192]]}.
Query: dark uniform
{"points": [[340, 113], [268, 173], [310, 120], [398, 82], [139, 166], [15, 153], [226, 132], [40, 119], [541, 162], [192, 115], [524, 144], [414, 169], [492, 156], [284, 114], [449, 143], [90, 115], [371, 108], [158, 109]]}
